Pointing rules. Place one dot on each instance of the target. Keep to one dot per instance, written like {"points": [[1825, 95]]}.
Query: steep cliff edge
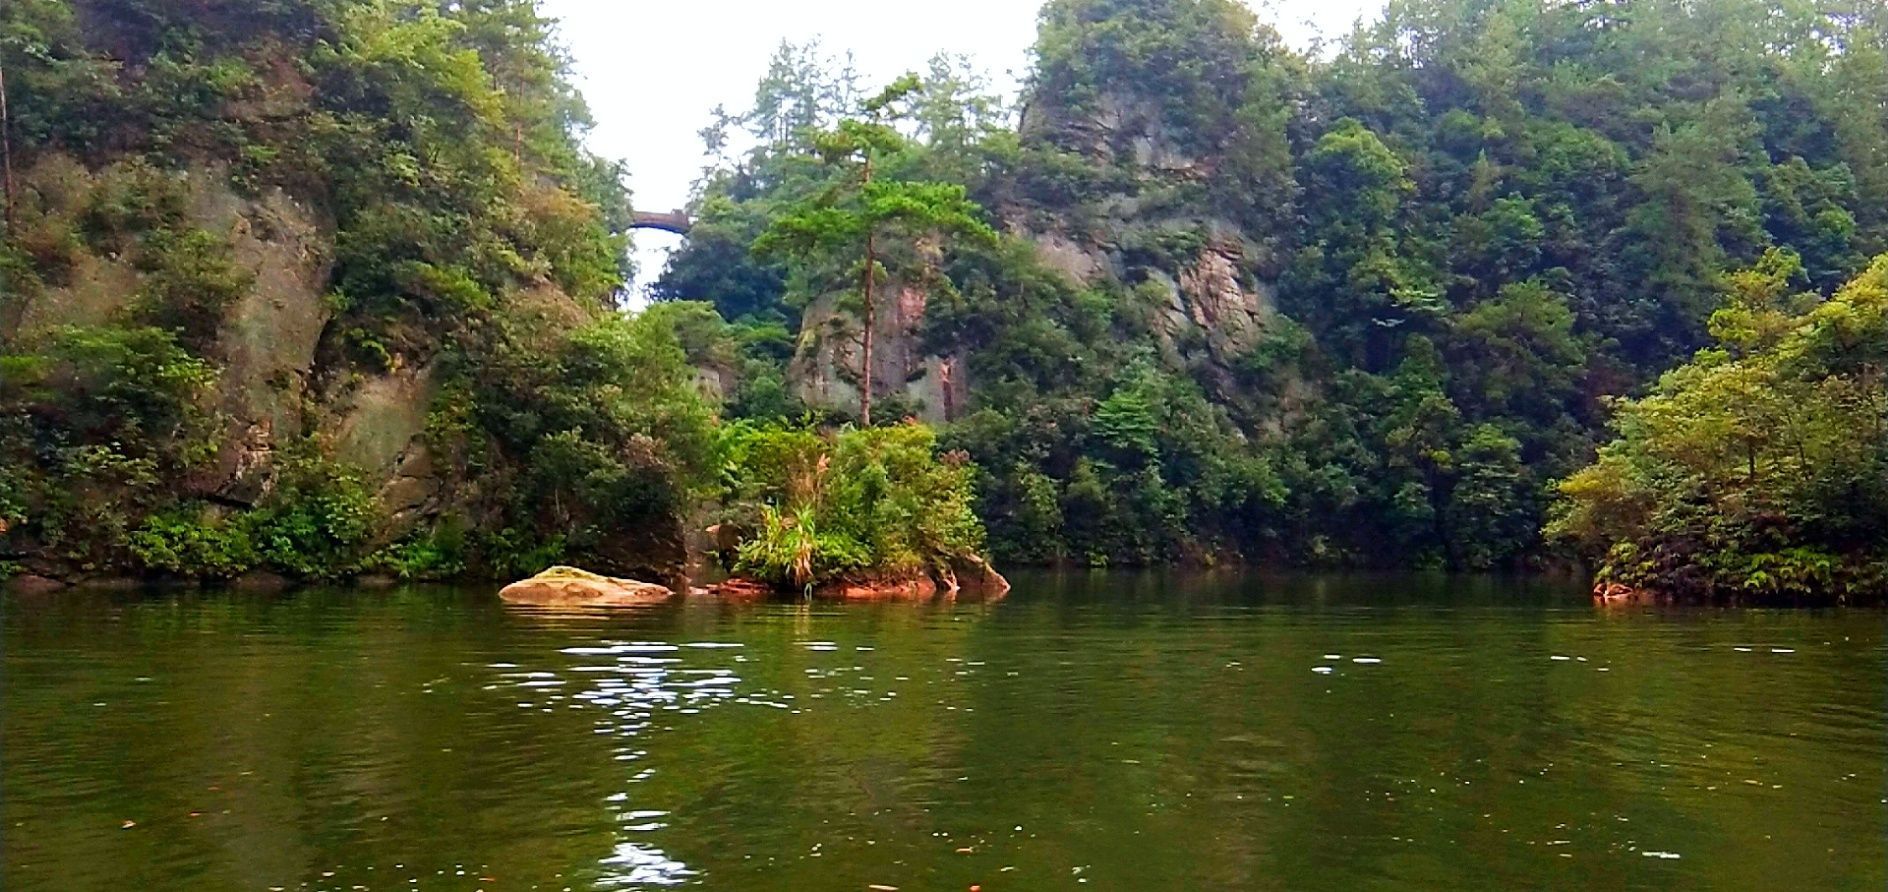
{"points": [[1183, 203], [279, 374]]}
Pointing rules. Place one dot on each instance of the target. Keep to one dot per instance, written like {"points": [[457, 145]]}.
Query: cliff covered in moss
{"points": [[319, 288]]}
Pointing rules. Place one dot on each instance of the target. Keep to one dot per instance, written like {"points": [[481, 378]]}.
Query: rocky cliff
{"points": [[907, 377], [1204, 283], [320, 289], [269, 387]]}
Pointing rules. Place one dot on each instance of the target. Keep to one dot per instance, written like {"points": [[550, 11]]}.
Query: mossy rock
{"points": [[572, 587]]}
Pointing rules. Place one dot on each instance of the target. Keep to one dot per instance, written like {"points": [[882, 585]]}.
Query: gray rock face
{"points": [[826, 367], [268, 342], [1212, 308], [379, 426], [1061, 253], [93, 288], [1207, 281]]}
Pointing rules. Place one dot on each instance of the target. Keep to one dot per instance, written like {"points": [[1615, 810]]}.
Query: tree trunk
{"points": [[6, 148], [865, 362], [868, 300]]}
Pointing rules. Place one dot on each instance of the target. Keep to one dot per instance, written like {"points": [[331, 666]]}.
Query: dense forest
{"points": [[1367, 309], [326, 287]]}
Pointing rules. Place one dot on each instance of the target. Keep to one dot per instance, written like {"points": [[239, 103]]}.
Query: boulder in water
{"points": [[571, 587], [975, 576]]}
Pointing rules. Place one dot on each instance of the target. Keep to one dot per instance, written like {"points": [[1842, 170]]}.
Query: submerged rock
{"points": [[1613, 594], [260, 581], [571, 587], [740, 589], [30, 584], [970, 576], [914, 588]]}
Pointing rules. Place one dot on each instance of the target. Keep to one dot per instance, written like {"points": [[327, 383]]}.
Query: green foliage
{"points": [[1761, 467], [866, 229], [105, 423], [186, 541], [791, 551], [1152, 473], [131, 198], [1522, 354], [438, 554], [878, 503], [189, 283], [1492, 506], [316, 523], [1204, 73], [599, 436], [804, 93], [443, 139], [716, 265], [100, 423], [132, 385], [473, 185], [1480, 221], [1354, 280]]}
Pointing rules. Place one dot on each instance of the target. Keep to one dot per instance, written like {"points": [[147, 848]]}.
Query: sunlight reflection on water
{"points": [[631, 689]]}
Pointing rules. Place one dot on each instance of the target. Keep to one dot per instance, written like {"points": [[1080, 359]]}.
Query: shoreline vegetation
{"points": [[317, 290]]}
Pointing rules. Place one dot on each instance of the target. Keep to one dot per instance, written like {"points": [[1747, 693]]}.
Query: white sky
{"points": [[653, 69]]}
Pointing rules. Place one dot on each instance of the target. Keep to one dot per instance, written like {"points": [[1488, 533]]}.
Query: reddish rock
{"points": [[912, 589], [970, 576], [740, 589], [1613, 594]]}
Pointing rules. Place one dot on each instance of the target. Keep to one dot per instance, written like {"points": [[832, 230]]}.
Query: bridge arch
{"points": [[674, 221]]}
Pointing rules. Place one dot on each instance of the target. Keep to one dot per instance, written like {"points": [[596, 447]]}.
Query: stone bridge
{"points": [[673, 221]]}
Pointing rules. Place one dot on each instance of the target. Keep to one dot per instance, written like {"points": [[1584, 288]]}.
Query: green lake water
{"points": [[1103, 731]]}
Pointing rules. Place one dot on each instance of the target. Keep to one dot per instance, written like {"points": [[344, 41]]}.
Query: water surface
{"points": [[1090, 732]]}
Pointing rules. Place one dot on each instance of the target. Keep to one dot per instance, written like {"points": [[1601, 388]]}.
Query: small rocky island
{"points": [[571, 587]]}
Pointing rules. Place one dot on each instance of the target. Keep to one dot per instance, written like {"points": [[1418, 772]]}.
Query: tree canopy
{"points": [[1761, 466]]}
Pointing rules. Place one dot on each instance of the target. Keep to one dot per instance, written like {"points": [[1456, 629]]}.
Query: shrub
{"points": [[815, 508], [790, 550], [190, 281], [186, 541], [317, 522]]}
